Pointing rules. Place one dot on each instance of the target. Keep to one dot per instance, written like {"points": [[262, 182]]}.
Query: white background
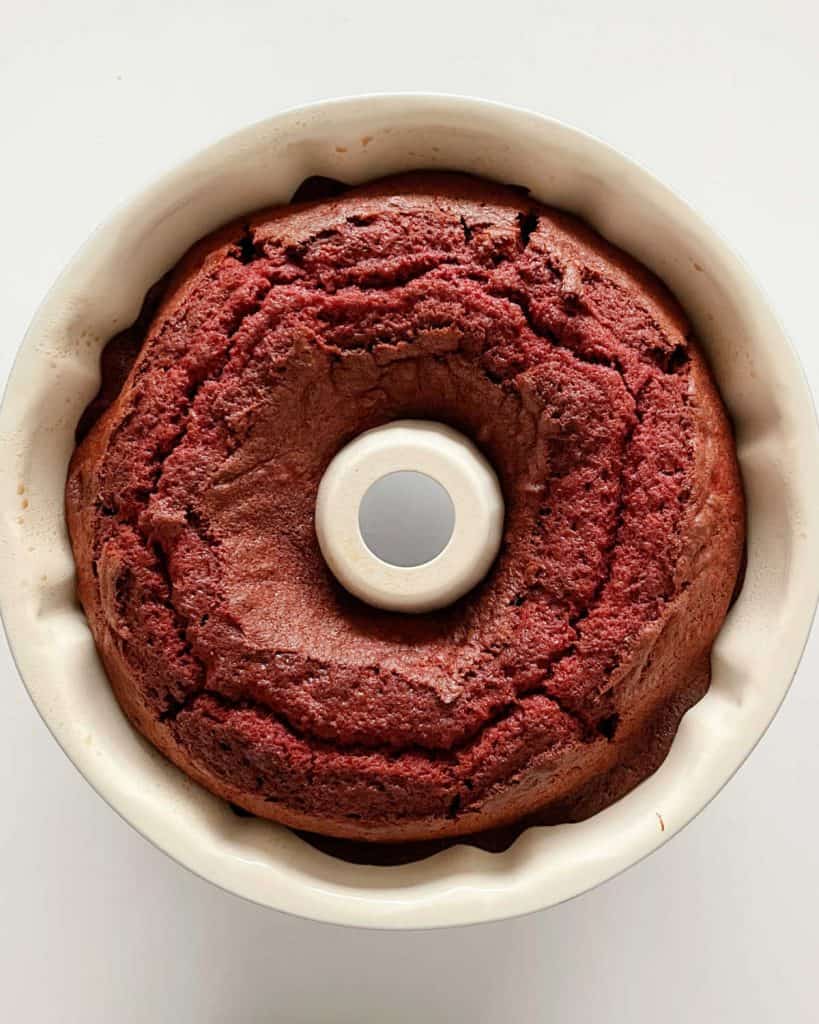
{"points": [[719, 99]]}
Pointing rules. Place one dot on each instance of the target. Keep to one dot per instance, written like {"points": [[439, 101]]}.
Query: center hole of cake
{"points": [[406, 518]]}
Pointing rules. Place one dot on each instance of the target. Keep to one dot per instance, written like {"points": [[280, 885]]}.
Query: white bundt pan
{"points": [[101, 290]]}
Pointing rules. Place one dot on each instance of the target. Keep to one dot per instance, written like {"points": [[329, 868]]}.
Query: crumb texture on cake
{"points": [[546, 692]]}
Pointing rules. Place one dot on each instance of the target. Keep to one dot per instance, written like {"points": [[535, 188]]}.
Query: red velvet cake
{"points": [[545, 693]]}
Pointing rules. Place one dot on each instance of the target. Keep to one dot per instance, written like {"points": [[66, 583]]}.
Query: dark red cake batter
{"points": [[553, 687]]}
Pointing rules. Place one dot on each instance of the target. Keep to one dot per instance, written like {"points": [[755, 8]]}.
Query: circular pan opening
{"points": [[406, 518]]}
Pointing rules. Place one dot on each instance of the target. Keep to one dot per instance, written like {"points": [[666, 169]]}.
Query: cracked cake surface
{"points": [[550, 689]]}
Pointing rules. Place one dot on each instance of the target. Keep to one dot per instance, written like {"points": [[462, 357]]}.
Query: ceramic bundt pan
{"points": [[100, 292]]}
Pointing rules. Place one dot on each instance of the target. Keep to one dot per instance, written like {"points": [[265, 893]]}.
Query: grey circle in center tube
{"points": [[406, 518]]}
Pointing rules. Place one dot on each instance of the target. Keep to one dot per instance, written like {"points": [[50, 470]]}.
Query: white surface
{"points": [[96, 925], [443, 455]]}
